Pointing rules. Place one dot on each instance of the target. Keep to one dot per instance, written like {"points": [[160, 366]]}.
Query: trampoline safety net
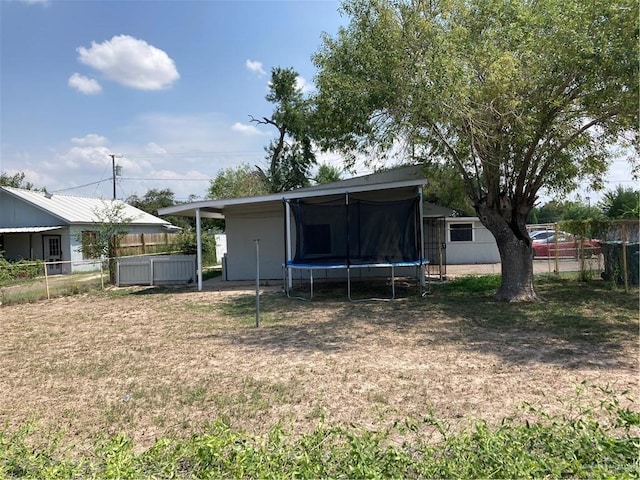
{"points": [[356, 232]]}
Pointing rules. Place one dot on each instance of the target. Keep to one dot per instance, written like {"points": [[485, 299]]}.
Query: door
{"points": [[52, 253], [435, 245]]}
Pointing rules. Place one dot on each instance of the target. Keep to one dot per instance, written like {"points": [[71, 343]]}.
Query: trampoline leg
{"points": [[393, 284], [311, 283], [349, 284]]}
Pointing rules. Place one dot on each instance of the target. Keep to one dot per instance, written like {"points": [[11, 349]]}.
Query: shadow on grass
{"points": [[577, 324]]}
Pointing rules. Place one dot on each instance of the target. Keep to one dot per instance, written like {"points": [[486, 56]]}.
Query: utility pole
{"points": [[113, 171], [116, 170]]}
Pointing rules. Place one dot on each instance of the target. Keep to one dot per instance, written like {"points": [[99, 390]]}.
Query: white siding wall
{"points": [[482, 248], [71, 243], [17, 213], [242, 228]]}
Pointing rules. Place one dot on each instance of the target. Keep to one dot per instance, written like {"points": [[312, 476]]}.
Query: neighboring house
{"points": [[38, 225], [469, 242]]}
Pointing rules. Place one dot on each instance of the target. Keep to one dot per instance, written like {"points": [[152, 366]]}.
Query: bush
{"points": [[21, 270], [187, 244]]}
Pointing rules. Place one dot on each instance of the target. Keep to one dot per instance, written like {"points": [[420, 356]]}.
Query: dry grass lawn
{"points": [[154, 363]]}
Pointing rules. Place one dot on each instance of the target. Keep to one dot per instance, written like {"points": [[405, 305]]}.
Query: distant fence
{"points": [[29, 281], [145, 243], [156, 270]]}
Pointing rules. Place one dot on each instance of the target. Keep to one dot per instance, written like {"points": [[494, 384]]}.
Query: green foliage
{"points": [[109, 228], [16, 181], [621, 203], [498, 89], [556, 211], [290, 156], [592, 442], [187, 244], [327, 174], [516, 97], [473, 284], [156, 199], [445, 187], [20, 270], [236, 182]]}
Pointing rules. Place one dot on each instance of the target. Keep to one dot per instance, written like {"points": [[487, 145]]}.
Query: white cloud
{"points": [[81, 157], [255, 67], [35, 2], [153, 147], [303, 85], [92, 139], [88, 86], [246, 129], [131, 62]]}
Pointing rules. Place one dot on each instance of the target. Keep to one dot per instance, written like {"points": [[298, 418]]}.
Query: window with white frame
{"points": [[461, 232]]}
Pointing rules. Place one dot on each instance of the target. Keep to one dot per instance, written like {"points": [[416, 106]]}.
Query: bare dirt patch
{"points": [[153, 363]]}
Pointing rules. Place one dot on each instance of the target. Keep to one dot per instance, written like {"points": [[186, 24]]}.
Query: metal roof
{"points": [[28, 229], [403, 177], [71, 209]]}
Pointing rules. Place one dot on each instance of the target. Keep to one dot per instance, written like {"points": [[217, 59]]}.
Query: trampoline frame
{"points": [[310, 267]]}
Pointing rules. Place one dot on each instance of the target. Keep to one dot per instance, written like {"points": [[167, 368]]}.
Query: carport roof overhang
{"points": [[216, 208], [27, 229]]}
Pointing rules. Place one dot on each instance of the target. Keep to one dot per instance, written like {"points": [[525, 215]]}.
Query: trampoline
{"points": [[350, 233]]}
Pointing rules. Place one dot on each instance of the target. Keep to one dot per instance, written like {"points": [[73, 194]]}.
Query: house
{"points": [[43, 226]]}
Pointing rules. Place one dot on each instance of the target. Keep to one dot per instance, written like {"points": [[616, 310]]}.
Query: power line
{"points": [[81, 186], [168, 179]]}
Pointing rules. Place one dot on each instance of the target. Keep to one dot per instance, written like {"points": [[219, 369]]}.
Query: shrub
{"points": [[21, 270], [187, 244]]}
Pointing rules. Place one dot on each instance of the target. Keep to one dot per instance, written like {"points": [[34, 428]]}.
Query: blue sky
{"points": [[168, 86], [74, 88]]}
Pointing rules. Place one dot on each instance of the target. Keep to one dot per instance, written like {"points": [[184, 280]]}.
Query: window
{"points": [[89, 245], [318, 239], [460, 232]]}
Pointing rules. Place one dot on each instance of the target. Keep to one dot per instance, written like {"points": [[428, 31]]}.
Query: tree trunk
{"points": [[111, 254], [515, 255]]}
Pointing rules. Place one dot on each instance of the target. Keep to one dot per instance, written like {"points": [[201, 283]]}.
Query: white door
{"points": [[52, 253]]}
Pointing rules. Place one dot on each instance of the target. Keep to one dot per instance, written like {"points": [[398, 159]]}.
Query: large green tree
{"points": [[518, 95], [290, 156], [156, 199]]}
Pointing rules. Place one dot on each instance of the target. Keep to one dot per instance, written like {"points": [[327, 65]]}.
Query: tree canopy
{"points": [[621, 203], [518, 96], [235, 182], [327, 174], [290, 155], [16, 180]]}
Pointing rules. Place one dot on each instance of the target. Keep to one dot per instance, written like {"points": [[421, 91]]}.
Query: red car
{"points": [[567, 245]]}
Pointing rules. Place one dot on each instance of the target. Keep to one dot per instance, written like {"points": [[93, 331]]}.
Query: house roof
{"points": [[401, 177], [71, 209]]}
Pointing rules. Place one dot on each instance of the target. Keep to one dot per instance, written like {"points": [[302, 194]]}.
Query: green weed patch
{"points": [[592, 443]]}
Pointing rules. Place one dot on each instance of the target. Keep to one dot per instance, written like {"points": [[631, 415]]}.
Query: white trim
{"points": [[469, 222]]}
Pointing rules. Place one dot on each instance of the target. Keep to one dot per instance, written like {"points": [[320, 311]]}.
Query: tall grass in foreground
{"points": [[598, 442]]}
